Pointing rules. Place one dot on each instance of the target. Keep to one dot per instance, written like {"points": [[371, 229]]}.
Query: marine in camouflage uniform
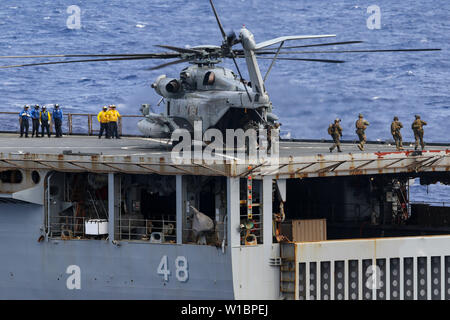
{"points": [[335, 130], [396, 126], [417, 127], [361, 125]]}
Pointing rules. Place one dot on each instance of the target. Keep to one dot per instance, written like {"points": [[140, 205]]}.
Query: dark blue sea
{"points": [[307, 96]]}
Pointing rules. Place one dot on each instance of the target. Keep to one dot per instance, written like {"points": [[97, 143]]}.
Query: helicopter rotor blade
{"points": [[349, 51], [240, 75], [164, 55], [168, 64], [324, 44], [258, 51], [178, 49], [228, 42], [224, 35], [79, 61], [304, 59]]}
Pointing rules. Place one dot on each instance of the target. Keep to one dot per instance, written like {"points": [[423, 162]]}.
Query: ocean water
{"points": [[307, 96]]}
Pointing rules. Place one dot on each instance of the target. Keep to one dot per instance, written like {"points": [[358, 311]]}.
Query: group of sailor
{"points": [[41, 119], [335, 130], [108, 118]]}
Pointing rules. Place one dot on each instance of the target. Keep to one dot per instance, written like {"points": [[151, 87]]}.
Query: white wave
{"points": [[287, 135], [295, 81], [140, 25]]}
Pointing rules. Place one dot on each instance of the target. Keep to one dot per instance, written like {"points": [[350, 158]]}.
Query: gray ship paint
{"points": [[49, 269]]}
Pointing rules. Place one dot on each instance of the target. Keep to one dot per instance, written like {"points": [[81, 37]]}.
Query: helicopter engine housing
{"points": [[167, 87]]}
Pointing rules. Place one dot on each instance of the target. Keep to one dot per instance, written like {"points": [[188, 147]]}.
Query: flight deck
{"points": [[147, 155]]}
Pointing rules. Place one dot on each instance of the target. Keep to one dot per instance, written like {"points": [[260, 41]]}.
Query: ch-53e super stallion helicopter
{"points": [[209, 93]]}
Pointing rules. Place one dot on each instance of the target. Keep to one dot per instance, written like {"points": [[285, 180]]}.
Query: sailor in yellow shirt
{"points": [[103, 118], [113, 117]]}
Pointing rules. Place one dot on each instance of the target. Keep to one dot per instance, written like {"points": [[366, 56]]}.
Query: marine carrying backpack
{"points": [[330, 129], [360, 124]]}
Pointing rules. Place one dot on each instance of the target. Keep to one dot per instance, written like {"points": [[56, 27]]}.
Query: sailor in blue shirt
{"points": [[35, 118], [24, 115], [57, 116]]}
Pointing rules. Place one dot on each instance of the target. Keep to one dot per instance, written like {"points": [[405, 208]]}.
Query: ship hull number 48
{"points": [[181, 268]]}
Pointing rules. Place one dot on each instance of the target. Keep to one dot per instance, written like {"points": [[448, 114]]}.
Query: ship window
{"points": [[11, 176], [148, 211], [209, 78], [205, 209], [35, 177], [76, 205]]}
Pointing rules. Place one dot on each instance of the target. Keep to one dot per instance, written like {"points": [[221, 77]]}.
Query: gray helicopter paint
{"points": [[38, 270], [198, 101], [248, 43], [216, 99]]}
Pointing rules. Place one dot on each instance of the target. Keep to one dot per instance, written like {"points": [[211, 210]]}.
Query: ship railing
{"points": [[149, 230], [73, 124], [68, 227], [152, 230]]}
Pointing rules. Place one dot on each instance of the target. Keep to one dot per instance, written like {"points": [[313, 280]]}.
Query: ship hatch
{"points": [[364, 207]]}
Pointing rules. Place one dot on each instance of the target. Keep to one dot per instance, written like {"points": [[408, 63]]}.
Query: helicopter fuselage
{"points": [[207, 93]]}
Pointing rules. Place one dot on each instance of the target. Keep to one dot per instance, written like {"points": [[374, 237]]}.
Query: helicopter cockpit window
{"points": [[186, 80], [209, 78]]}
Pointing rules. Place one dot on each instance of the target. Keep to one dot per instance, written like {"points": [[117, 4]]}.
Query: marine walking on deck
{"points": [[396, 126], [335, 130], [361, 126], [24, 117], [417, 127], [45, 119]]}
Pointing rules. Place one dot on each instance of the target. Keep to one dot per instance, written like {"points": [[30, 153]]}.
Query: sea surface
{"points": [[307, 96]]}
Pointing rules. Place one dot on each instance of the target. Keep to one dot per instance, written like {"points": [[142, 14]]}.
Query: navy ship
{"points": [[129, 219], [122, 220]]}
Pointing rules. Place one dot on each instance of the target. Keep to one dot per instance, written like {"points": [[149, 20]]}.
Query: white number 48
{"points": [[181, 266]]}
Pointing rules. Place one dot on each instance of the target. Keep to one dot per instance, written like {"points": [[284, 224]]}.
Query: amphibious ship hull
{"points": [[38, 270], [49, 193]]}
